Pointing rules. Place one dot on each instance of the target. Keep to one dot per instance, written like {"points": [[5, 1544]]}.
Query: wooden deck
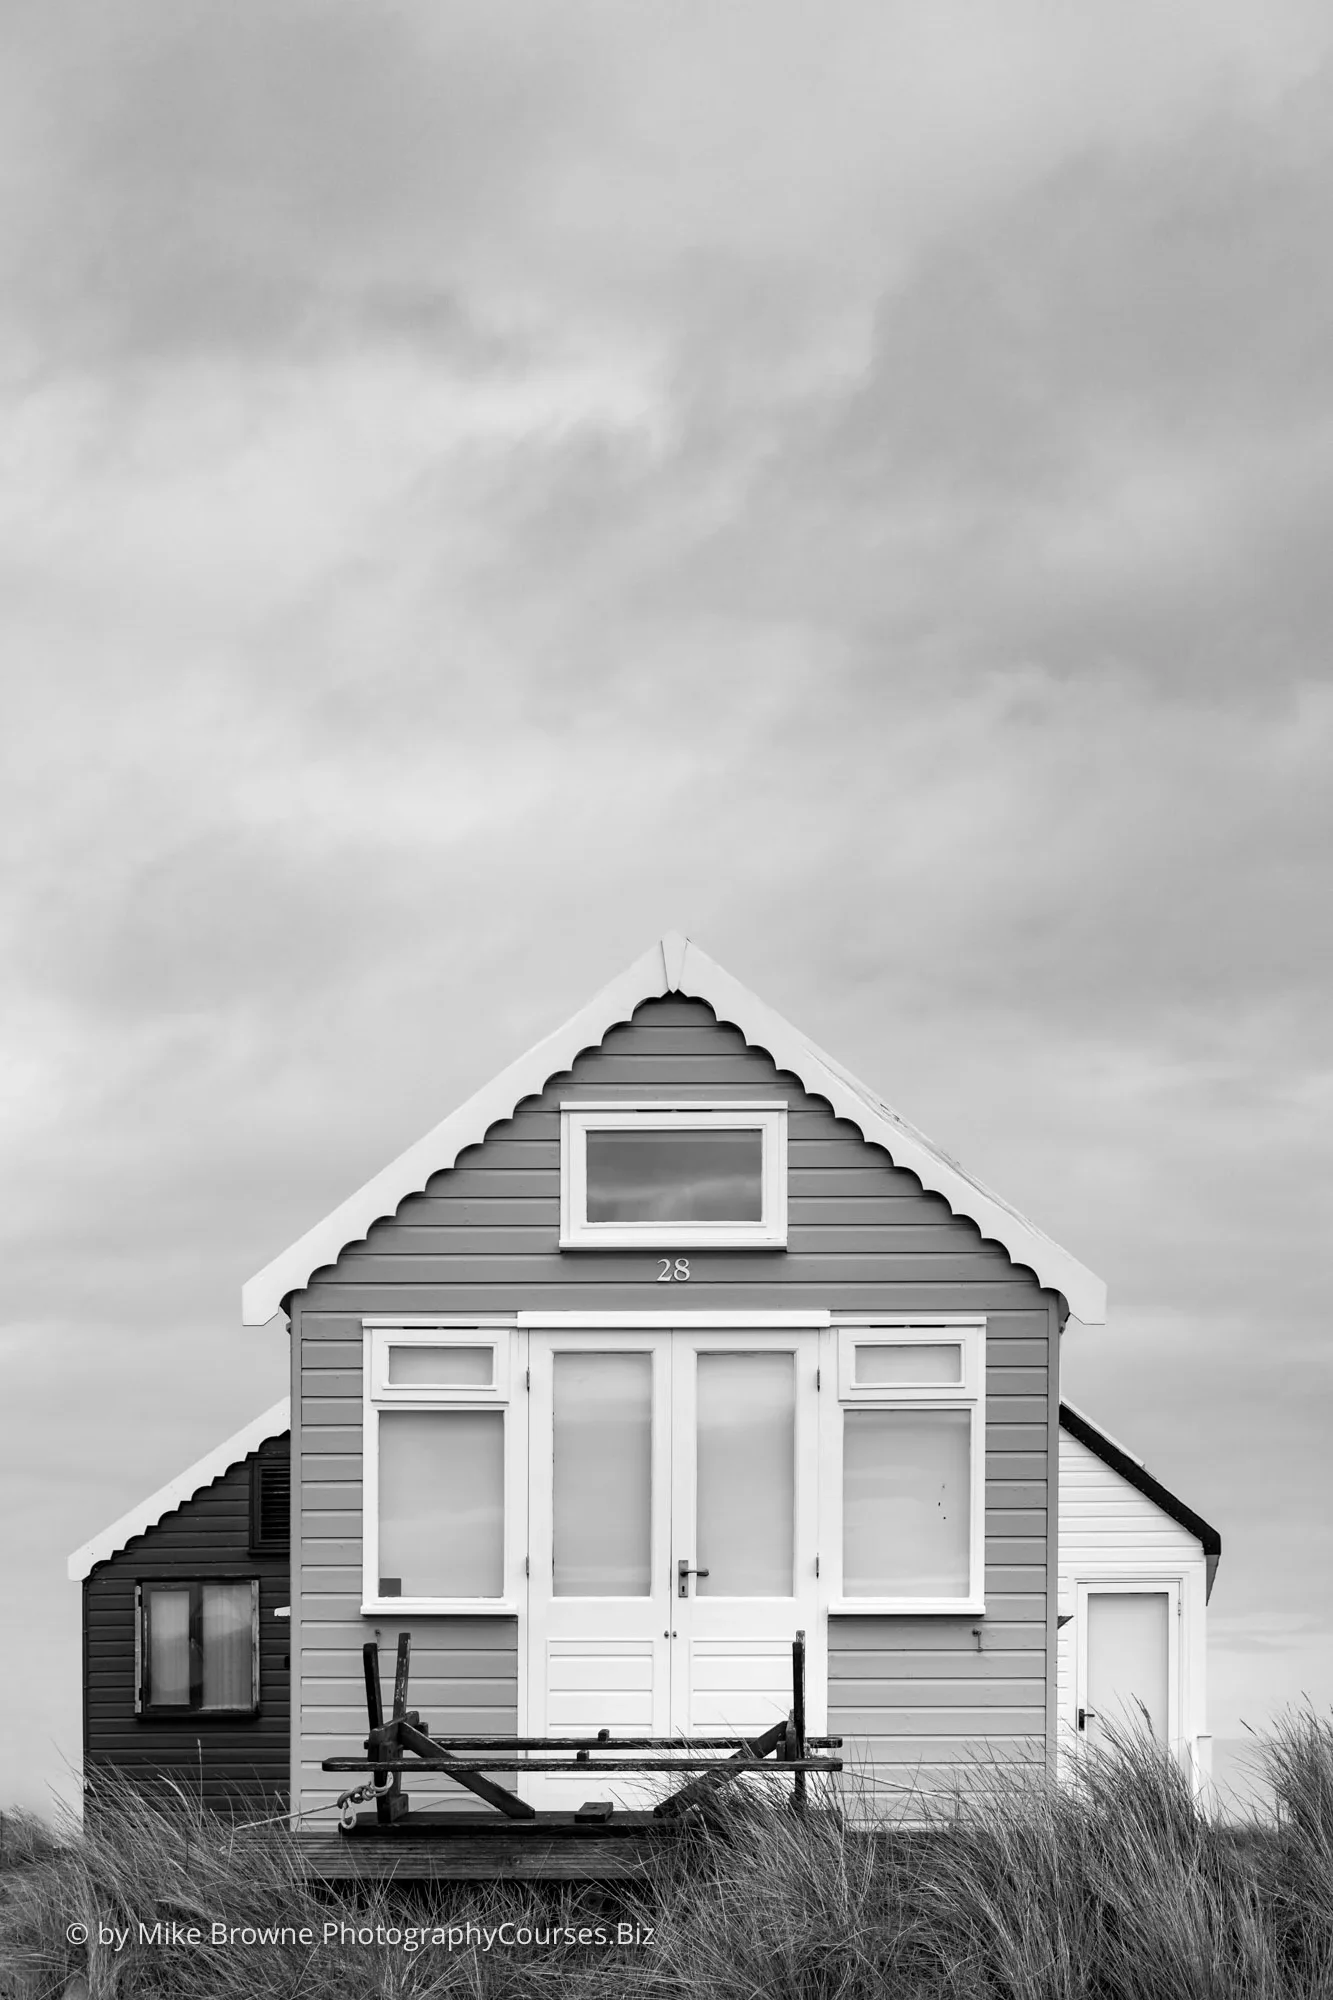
{"points": [[472, 1847]]}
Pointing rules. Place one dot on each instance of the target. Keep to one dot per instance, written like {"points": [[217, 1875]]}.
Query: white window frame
{"points": [[969, 1395], [379, 1395], [577, 1118]]}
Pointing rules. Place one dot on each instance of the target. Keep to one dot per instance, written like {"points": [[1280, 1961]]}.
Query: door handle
{"points": [[683, 1575], [1083, 1715]]}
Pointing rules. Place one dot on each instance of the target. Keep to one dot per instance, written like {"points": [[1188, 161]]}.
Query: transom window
{"points": [[197, 1647], [672, 1174], [906, 1472]]}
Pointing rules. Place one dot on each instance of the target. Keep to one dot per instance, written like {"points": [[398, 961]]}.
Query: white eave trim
{"points": [[673, 965], [184, 1487], [644, 980]]}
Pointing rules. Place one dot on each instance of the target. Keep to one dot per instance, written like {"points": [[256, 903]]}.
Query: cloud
{"points": [[484, 488]]}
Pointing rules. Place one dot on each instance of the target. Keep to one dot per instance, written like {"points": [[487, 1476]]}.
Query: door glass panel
{"points": [[906, 1503], [906, 1363], [602, 1446], [442, 1367], [1127, 1659], [441, 1503], [746, 1473], [655, 1176], [169, 1648], [228, 1634]]}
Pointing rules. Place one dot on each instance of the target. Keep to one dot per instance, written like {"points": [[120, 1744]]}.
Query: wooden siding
{"points": [[910, 1693], [1109, 1529], [233, 1763]]}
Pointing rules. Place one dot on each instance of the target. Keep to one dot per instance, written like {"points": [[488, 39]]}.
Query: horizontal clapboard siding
{"points": [[235, 1764], [863, 1236]]}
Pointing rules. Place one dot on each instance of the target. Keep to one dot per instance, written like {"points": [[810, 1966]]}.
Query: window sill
{"points": [[907, 1607], [441, 1607], [193, 1715]]}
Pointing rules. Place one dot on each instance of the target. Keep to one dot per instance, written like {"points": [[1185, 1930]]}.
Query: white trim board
{"points": [[184, 1487], [673, 965]]}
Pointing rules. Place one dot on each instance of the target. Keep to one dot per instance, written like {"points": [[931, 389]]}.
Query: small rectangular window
{"points": [[439, 1364], [441, 1367], [673, 1174], [198, 1647], [655, 1176], [907, 1364]]}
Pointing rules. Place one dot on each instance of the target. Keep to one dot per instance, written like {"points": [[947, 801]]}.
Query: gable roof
{"points": [[673, 965], [1136, 1474], [177, 1491]]}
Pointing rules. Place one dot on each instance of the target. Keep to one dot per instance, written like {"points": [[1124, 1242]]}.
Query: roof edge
{"points": [[1084, 1292], [673, 964], [180, 1489], [647, 978], [1136, 1473]]}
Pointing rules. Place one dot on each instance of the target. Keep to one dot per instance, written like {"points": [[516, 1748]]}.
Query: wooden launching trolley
{"points": [[404, 1743]]}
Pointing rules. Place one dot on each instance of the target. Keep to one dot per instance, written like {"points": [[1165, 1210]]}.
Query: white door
{"points": [[1128, 1659], [672, 1539], [599, 1522], [744, 1530]]}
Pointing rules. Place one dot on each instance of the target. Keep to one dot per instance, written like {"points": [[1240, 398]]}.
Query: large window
{"points": [[197, 1647], [676, 1175], [906, 1467], [440, 1464]]}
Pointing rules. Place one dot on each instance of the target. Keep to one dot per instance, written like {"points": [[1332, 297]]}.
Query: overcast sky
{"points": [[483, 485]]}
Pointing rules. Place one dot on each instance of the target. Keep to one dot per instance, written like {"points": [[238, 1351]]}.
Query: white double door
{"points": [[673, 1494]]}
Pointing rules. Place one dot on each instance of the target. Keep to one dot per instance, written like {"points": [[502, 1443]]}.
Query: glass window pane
{"points": [[227, 1626], [602, 1445], [906, 1503], [443, 1367], [653, 1176], [746, 1493], [441, 1503], [906, 1363], [169, 1648]]}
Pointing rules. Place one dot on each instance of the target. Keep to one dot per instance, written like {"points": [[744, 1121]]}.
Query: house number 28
{"points": [[673, 1272]]}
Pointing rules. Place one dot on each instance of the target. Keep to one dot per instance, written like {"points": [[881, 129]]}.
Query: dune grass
{"points": [[1116, 1887]]}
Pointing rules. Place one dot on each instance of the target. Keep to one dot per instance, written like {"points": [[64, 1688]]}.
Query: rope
{"points": [[343, 1805]]}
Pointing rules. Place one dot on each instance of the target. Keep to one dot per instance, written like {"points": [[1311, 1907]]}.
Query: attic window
{"points": [[673, 1175], [270, 1504]]}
